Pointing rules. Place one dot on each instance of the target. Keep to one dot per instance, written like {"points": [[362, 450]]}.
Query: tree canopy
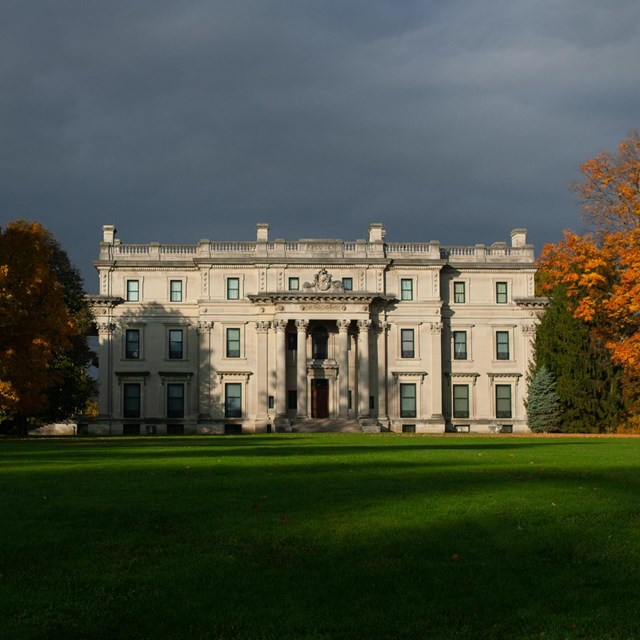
{"points": [[599, 271], [44, 320]]}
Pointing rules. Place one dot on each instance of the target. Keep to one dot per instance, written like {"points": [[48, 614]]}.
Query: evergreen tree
{"points": [[543, 402], [588, 383]]}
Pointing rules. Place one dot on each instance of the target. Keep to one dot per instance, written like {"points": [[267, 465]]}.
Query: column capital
{"points": [[343, 325], [106, 327], [364, 325], [301, 325], [529, 329], [204, 325], [436, 327], [382, 327], [280, 325], [263, 326]]}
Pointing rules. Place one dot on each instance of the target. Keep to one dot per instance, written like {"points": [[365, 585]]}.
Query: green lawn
{"points": [[320, 537]]}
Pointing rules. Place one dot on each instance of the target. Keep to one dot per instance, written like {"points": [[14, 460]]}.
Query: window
{"points": [[460, 400], [347, 284], [406, 289], [459, 292], [132, 344], [503, 401], [175, 290], [272, 402], [131, 400], [319, 343], [133, 291], [233, 400], [459, 345], [502, 345], [501, 292], [294, 284], [233, 288], [292, 400], [176, 344], [407, 349], [292, 342], [407, 400], [233, 343], [175, 400]]}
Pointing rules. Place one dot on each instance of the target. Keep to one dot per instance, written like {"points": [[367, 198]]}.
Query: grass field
{"points": [[320, 537]]}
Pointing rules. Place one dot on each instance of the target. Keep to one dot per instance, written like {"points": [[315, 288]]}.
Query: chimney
{"points": [[108, 233], [518, 237]]}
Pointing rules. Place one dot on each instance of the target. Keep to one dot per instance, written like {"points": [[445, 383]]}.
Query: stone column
{"points": [[281, 367], [343, 371], [363, 368], [436, 373], [105, 370], [382, 330], [262, 408], [301, 326], [203, 330]]}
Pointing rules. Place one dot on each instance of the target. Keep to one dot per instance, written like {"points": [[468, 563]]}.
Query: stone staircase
{"points": [[326, 425]]}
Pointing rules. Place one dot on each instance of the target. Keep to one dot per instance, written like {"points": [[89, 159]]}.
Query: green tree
{"points": [[543, 403], [588, 383], [69, 396]]}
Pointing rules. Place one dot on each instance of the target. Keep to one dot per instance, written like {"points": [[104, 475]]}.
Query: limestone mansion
{"points": [[229, 337]]}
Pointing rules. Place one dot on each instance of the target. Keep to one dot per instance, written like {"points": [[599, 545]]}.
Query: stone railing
{"points": [[498, 252]]}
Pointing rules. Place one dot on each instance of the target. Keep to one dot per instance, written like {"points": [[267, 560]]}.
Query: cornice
{"points": [[538, 302], [353, 297]]}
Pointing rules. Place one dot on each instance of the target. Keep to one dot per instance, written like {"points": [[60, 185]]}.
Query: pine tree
{"points": [[588, 383], [543, 404]]}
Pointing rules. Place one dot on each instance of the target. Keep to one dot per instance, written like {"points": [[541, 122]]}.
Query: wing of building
{"points": [[230, 337]]}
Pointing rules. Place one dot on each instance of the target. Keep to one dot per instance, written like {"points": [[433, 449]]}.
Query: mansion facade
{"points": [[236, 337]]}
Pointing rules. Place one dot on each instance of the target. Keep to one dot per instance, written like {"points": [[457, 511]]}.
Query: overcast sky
{"points": [[177, 120]]}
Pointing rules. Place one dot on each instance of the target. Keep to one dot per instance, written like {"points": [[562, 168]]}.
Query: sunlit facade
{"points": [[368, 335]]}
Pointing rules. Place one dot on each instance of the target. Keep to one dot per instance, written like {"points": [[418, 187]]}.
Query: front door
{"points": [[320, 398]]}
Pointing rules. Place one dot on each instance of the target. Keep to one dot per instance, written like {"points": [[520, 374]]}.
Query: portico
{"points": [[324, 349]]}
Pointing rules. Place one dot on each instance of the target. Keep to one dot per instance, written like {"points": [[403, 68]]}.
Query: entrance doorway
{"points": [[320, 398]]}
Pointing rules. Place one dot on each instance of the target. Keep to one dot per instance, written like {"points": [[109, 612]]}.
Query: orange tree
{"points": [[600, 270], [39, 326]]}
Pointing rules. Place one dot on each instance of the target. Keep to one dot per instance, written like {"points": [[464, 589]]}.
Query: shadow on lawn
{"points": [[321, 551]]}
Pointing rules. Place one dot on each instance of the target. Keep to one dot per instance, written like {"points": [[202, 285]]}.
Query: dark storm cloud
{"points": [[454, 121]]}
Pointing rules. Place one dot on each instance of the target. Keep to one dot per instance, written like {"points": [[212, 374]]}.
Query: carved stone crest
{"points": [[322, 282]]}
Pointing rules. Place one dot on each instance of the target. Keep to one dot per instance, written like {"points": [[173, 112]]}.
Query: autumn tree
{"points": [[600, 270], [44, 321]]}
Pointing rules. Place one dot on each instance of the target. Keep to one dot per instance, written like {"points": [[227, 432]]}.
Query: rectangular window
{"points": [[176, 344], [131, 400], [233, 343], [501, 292], [407, 348], [233, 288], [294, 284], [503, 401], [292, 400], [407, 400], [233, 400], [175, 400], [292, 341], [459, 345], [406, 289], [133, 291], [460, 400], [132, 344], [502, 345], [175, 290], [272, 402], [347, 284], [459, 292]]}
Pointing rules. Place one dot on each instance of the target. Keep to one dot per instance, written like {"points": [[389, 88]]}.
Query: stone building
{"points": [[228, 337]]}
